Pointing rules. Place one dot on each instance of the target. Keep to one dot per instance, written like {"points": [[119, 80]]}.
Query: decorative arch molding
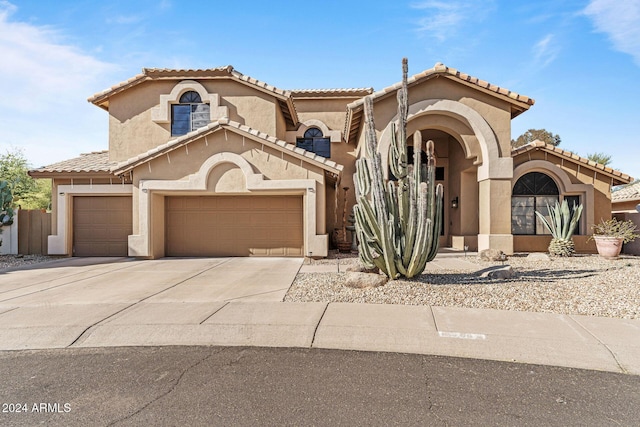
{"points": [[492, 166], [197, 183], [564, 183], [162, 112], [333, 135]]}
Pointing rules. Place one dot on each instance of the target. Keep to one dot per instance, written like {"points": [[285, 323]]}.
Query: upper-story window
{"points": [[314, 141], [190, 114]]}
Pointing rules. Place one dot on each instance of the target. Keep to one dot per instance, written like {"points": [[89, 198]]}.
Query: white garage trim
{"points": [[140, 244]]}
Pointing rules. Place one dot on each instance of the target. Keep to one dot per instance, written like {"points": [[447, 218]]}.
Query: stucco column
{"points": [[495, 215]]}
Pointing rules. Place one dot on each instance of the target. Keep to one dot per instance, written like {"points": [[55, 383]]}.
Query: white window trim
{"points": [[162, 113]]}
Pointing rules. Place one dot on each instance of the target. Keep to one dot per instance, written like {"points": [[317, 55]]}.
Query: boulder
{"points": [[492, 255], [360, 280], [497, 272], [538, 256], [361, 269]]}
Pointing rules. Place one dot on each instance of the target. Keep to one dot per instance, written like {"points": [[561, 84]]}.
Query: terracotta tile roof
{"points": [[626, 192], [178, 74], [224, 123], [101, 99], [89, 162], [342, 92], [520, 103], [619, 177], [442, 70]]}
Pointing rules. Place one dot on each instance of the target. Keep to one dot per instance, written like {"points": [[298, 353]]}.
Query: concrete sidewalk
{"points": [[123, 302], [549, 339]]}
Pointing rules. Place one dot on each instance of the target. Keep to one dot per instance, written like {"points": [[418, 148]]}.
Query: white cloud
{"points": [[620, 20], [44, 85], [545, 51], [443, 19]]}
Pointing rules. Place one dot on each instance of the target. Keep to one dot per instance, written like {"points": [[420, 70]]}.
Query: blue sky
{"points": [[580, 60]]}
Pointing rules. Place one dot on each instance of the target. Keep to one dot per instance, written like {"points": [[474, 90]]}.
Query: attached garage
{"points": [[234, 226], [101, 225]]}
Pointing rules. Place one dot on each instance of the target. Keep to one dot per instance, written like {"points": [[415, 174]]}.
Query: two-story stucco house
{"points": [[215, 163]]}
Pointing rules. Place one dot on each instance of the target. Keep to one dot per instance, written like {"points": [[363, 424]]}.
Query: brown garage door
{"points": [[234, 226], [101, 225]]}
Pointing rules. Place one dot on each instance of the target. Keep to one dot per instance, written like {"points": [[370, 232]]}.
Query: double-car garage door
{"points": [[234, 226], [195, 226]]}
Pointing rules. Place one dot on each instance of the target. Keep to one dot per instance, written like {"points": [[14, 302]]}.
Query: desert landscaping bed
{"points": [[583, 284]]}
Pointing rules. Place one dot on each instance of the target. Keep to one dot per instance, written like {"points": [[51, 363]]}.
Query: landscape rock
{"points": [[538, 256], [492, 255], [497, 272], [361, 280], [361, 269]]}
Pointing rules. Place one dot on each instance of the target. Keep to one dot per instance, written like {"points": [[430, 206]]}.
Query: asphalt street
{"points": [[169, 386]]}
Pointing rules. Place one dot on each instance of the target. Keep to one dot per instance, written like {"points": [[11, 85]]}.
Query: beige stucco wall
{"points": [[132, 130]]}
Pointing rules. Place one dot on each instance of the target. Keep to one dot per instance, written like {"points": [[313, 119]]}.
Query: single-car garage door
{"points": [[234, 226], [101, 225]]}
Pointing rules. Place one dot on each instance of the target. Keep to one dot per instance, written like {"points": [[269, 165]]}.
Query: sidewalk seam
{"points": [[226, 303], [622, 369], [315, 331]]}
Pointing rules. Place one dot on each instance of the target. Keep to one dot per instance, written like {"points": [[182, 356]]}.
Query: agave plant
{"points": [[563, 224]]}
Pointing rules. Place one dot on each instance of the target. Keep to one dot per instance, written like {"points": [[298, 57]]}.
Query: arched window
{"points": [[190, 114], [532, 192], [314, 141]]}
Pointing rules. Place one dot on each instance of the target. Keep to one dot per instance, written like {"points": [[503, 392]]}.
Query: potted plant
{"points": [[563, 224], [611, 235]]}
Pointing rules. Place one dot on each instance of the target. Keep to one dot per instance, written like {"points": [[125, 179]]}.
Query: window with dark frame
{"points": [[534, 191], [314, 141], [190, 114], [573, 202]]}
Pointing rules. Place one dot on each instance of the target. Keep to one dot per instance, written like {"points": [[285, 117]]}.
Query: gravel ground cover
{"points": [[11, 261], [583, 284]]}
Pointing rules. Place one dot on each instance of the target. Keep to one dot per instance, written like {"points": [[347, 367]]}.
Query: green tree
{"points": [[533, 134], [602, 158], [27, 192]]}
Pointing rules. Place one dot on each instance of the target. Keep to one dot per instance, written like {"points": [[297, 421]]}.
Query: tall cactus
{"points": [[397, 223]]}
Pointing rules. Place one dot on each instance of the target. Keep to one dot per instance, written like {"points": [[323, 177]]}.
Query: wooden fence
{"points": [[34, 227]]}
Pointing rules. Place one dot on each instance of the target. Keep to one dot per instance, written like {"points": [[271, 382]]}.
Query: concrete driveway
{"points": [[53, 305]]}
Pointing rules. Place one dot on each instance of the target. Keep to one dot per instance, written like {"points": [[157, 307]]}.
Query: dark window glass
{"points": [[533, 192], [305, 143], [535, 183], [573, 202], [180, 119], [313, 133], [190, 97], [439, 173], [189, 115], [322, 147], [314, 141]]}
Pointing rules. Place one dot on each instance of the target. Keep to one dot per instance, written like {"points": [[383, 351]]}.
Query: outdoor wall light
{"points": [[454, 202]]}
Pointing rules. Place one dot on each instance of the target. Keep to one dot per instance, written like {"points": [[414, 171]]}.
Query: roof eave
{"points": [[616, 176]]}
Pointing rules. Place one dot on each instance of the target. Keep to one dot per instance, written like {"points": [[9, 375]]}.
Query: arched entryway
{"points": [[477, 174]]}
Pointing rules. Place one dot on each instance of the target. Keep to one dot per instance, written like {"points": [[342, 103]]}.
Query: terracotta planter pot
{"points": [[608, 247]]}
